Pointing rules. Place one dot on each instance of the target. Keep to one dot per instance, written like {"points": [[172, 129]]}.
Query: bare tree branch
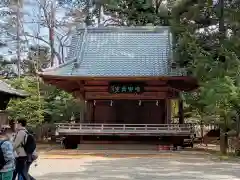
{"points": [[119, 22], [45, 41], [62, 43], [157, 5], [45, 9]]}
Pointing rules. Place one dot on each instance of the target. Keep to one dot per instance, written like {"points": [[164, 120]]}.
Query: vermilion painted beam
{"points": [[156, 83], [105, 83], [98, 83], [96, 88], [147, 88], [145, 95]]}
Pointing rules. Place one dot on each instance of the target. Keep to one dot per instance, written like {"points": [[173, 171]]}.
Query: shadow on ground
{"points": [[182, 168]]}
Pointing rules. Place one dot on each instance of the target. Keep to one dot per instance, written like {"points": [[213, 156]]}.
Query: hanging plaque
{"points": [[126, 88]]}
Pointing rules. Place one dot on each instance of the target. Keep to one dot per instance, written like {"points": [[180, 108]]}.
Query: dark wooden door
{"points": [[129, 112], [104, 112], [152, 113], [126, 111]]}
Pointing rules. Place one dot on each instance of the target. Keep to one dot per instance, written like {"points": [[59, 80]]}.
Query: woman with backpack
{"points": [[7, 159]]}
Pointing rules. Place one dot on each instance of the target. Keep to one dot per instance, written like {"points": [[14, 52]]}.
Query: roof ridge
{"points": [[80, 54], [126, 29]]}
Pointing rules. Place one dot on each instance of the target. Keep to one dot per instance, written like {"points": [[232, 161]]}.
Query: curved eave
{"points": [[182, 83], [14, 95], [118, 78], [8, 90], [20, 96]]}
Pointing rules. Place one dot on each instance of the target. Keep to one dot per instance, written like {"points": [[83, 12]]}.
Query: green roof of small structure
{"points": [[119, 52], [7, 89]]}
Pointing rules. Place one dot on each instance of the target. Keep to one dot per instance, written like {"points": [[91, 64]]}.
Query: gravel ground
{"points": [[144, 168]]}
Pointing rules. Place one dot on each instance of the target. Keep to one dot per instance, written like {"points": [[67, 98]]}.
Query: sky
{"points": [[30, 24]]}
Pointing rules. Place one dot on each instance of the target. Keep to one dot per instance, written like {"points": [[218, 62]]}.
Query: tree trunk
{"points": [[238, 125], [201, 127], [223, 143]]}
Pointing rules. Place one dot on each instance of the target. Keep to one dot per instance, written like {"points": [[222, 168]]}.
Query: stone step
{"points": [[117, 147], [117, 142]]}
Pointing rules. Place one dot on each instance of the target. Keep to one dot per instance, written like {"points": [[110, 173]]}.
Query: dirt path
{"points": [[179, 167]]}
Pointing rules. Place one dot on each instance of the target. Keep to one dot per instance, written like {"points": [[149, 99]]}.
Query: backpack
{"points": [[30, 144], [3, 162]]}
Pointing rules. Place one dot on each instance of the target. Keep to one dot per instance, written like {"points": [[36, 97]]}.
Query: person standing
{"points": [[10, 136], [29, 163], [7, 159], [22, 158]]}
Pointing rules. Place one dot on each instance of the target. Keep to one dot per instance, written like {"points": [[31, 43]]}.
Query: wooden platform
{"points": [[125, 129]]}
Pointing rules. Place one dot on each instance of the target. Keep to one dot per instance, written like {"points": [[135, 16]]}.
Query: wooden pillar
{"points": [[93, 111], [80, 99], [3, 118], [88, 112], [168, 111], [82, 113], [180, 111]]}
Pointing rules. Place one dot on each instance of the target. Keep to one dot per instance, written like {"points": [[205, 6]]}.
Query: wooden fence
{"points": [[44, 131], [3, 118]]}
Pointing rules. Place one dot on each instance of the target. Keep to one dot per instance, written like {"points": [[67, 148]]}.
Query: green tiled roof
{"points": [[7, 89], [118, 52]]}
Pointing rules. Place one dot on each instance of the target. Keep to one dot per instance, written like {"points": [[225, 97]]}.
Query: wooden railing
{"points": [[124, 129]]}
